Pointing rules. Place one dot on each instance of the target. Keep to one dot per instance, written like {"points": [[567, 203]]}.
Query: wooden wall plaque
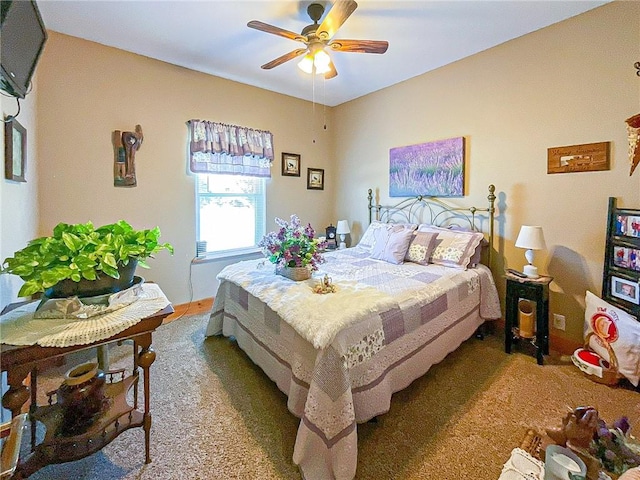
{"points": [[588, 157]]}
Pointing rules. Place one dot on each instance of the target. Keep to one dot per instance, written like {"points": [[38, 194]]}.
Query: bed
{"points": [[339, 357]]}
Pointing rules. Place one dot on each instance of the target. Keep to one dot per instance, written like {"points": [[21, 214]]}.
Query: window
{"points": [[230, 213]]}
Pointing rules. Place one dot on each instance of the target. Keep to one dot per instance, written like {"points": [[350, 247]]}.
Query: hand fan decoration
{"points": [[633, 131]]}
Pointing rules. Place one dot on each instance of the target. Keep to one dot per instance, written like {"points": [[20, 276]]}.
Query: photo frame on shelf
{"points": [[15, 150], [625, 289], [626, 257], [628, 225], [290, 165], [315, 179]]}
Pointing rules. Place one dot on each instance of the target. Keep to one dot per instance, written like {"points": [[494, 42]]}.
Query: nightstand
{"points": [[537, 291]]}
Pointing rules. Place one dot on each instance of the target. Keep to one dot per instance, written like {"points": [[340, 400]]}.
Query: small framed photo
{"points": [[626, 257], [290, 165], [625, 289], [15, 151], [628, 225], [315, 179]]}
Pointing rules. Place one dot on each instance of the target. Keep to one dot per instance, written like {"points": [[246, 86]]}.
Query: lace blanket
{"points": [[19, 327]]}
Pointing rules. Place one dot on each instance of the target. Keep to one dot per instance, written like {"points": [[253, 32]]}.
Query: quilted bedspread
{"points": [[340, 356]]}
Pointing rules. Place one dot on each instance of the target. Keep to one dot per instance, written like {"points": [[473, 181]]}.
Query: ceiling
{"points": [[212, 36]]}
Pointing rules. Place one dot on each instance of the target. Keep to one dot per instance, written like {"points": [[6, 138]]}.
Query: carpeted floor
{"points": [[217, 416]]}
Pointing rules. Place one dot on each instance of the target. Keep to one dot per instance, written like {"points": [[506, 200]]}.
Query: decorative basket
{"points": [[296, 274], [610, 373]]}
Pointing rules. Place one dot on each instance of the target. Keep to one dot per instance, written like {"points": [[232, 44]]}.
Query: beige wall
{"points": [[568, 84], [88, 90], [18, 200]]}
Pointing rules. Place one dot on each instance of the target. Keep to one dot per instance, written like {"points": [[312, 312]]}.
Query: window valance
{"points": [[229, 149]]}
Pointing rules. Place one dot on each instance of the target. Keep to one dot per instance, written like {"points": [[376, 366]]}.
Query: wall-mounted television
{"points": [[22, 38]]}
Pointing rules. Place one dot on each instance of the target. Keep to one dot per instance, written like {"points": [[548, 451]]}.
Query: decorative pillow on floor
{"points": [[609, 329]]}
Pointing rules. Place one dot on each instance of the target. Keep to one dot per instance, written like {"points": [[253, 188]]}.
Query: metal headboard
{"points": [[434, 211]]}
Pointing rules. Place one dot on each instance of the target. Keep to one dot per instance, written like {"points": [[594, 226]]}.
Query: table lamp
{"points": [[342, 229], [532, 239]]}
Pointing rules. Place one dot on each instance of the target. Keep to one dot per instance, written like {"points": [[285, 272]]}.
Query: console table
{"points": [[20, 361]]}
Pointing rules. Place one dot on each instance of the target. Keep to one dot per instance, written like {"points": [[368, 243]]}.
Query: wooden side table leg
{"points": [[145, 358], [508, 319], [18, 392], [34, 405]]}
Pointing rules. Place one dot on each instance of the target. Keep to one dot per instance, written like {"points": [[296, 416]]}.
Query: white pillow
{"points": [[392, 244], [368, 239], [605, 324]]}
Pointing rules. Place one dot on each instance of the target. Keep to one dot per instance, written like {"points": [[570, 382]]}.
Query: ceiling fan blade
{"points": [[332, 71], [281, 32], [284, 58], [335, 18], [359, 46]]}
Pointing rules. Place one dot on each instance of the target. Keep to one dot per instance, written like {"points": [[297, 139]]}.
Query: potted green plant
{"points": [[79, 259]]}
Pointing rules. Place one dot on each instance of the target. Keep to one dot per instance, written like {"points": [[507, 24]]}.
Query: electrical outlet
{"points": [[559, 322]]}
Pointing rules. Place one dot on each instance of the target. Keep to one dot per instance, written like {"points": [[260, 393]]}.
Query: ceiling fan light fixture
{"points": [[315, 62], [321, 61], [306, 64]]}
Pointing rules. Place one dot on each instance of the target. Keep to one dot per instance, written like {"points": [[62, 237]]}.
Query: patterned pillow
{"points": [[609, 329], [421, 247], [453, 248], [391, 244], [477, 255], [368, 239]]}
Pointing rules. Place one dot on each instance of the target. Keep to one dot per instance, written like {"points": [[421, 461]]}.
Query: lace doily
{"points": [[19, 327]]}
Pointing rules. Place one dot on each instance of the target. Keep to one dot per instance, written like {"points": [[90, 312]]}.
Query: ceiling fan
{"points": [[318, 37]]}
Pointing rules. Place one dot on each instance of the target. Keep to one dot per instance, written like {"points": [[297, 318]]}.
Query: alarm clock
{"points": [[332, 240]]}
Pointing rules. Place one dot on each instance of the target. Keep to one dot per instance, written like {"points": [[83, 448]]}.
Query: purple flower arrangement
{"points": [[613, 446], [293, 245]]}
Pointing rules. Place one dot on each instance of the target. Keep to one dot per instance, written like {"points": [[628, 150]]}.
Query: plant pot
{"points": [[81, 397], [103, 284], [294, 273]]}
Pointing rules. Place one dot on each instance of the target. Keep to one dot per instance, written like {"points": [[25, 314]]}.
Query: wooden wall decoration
{"points": [[588, 157], [633, 132], [126, 145]]}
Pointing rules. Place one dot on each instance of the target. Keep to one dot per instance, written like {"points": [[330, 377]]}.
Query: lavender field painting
{"points": [[431, 169]]}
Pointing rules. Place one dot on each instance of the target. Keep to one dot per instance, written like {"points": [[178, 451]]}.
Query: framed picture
{"points": [[628, 225], [625, 289], [290, 165], [626, 257], [15, 151], [434, 169], [315, 179]]}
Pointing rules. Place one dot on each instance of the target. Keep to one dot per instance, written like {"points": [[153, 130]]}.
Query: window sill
{"points": [[244, 254]]}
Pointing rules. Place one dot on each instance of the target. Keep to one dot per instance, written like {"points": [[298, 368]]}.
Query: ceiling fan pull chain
{"points": [[324, 103]]}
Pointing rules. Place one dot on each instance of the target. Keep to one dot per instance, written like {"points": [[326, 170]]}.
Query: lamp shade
{"points": [[531, 238], [342, 228], [306, 64]]}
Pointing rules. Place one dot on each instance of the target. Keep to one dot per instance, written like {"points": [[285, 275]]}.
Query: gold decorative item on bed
{"points": [[434, 211]]}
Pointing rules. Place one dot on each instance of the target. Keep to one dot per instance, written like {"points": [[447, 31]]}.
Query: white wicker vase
{"points": [[294, 273]]}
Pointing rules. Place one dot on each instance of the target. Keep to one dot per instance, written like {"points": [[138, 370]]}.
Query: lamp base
{"points": [[530, 271], [342, 245]]}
